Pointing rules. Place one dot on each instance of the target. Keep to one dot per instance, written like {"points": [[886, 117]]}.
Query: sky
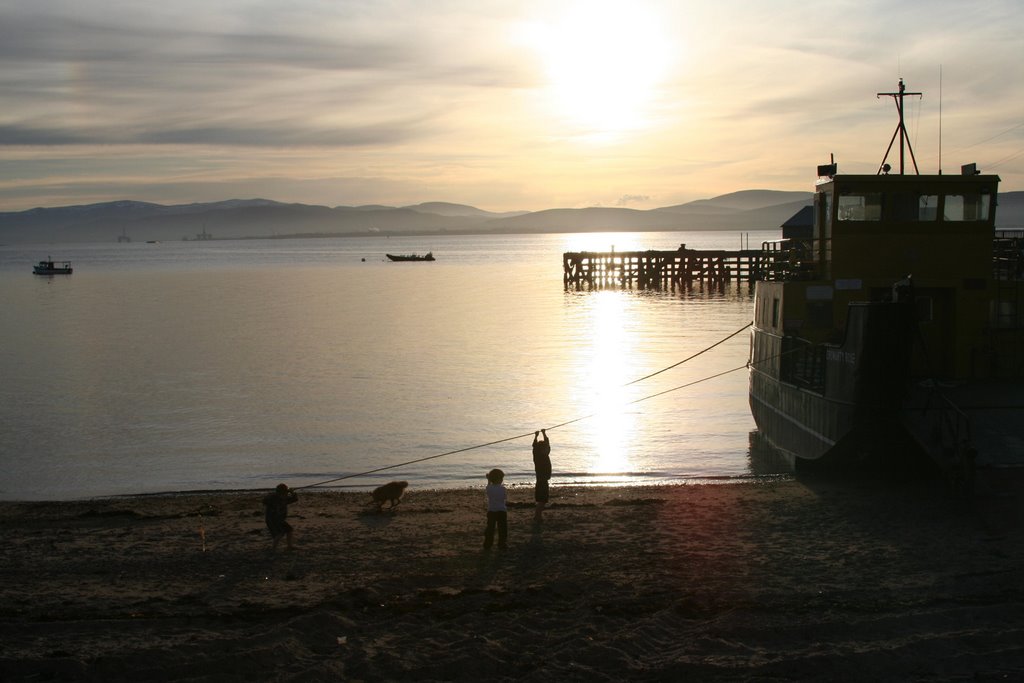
{"points": [[516, 105]]}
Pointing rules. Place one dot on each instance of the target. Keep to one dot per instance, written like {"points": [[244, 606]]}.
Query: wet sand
{"points": [[781, 581]]}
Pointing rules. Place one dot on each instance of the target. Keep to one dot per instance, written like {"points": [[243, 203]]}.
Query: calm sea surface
{"points": [[240, 364]]}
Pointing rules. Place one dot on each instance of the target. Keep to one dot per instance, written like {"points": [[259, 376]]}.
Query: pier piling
{"points": [[654, 269]]}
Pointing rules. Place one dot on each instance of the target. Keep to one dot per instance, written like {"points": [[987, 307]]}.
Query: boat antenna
{"points": [[901, 130], [940, 119]]}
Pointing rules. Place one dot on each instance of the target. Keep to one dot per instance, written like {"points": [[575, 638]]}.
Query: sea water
{"points": [[240, 364]]}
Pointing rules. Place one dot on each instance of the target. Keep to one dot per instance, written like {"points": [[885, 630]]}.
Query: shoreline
{"points": [[522, 481], [779, 580]]}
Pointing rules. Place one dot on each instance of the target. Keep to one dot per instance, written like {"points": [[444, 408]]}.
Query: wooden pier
{"points": [[657, 269]]}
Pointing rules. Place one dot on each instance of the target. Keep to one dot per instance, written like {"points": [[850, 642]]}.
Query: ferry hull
{"points": [[796, 422], [831, 402], [816, 432]]}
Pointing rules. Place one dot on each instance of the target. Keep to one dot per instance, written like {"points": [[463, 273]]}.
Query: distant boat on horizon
{"points": [[429, 256], [51, 267]]}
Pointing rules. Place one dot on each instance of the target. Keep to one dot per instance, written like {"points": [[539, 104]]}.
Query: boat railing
{"points": [[802, 364], [1008, 255], [787, 259], [955, 435]]}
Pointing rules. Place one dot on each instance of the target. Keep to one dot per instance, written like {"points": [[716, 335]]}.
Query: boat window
{"points": [[928, 207], [865, 206], [966, 207], [912, 206]]}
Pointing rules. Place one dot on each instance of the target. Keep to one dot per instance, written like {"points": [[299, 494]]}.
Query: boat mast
{"points": [[901, 130]]}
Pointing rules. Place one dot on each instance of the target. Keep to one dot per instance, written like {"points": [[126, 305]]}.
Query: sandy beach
{"points": [[780, 581]]}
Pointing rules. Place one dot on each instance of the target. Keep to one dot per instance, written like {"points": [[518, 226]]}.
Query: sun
{"points": [[604, 63]]}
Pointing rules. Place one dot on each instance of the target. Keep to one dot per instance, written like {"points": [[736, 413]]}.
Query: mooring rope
{"points": [[557, 426], [690, 358], [413, 462]]}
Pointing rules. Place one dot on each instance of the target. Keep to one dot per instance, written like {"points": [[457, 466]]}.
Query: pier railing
{"points": [[654, 269]]}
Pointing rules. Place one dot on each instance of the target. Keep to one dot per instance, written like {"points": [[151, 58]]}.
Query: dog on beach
{"points": [[392, 491]]}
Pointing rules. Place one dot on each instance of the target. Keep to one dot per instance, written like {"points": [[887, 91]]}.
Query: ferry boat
{"points": [[895, 325]]}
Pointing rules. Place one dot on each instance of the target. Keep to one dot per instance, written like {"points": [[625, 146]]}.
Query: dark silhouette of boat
{"points": [[51, 267], [429, 256], [894, 325]]}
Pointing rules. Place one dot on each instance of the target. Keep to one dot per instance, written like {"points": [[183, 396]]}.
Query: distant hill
{"points": [[446, 209], [224, 220], [584, 220], [245, 218], [744, 200]]}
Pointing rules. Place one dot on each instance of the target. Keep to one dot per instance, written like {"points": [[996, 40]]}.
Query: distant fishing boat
{"points": [[429, 256], [51, 267]]}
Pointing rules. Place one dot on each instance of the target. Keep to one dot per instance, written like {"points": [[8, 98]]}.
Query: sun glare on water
{"points": [[604, 62], [603, 376]]}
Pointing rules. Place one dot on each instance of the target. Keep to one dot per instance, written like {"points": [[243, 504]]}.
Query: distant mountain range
{"points": [[255, 218]]}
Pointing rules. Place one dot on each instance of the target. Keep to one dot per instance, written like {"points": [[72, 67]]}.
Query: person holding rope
{"points": [[276, 506], [542, 467]]}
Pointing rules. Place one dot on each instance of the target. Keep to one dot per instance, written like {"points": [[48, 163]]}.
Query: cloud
{"points": [[444, 97], [295, 83], [628, 199], [27, 135]]}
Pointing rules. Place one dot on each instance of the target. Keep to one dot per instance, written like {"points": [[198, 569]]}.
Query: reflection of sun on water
{"points": [[609, 241], [602, 374]]}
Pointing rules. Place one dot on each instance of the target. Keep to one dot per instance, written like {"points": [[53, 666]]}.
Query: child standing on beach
{"points": [[497, 512], [276, 506], [542, 466]]}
